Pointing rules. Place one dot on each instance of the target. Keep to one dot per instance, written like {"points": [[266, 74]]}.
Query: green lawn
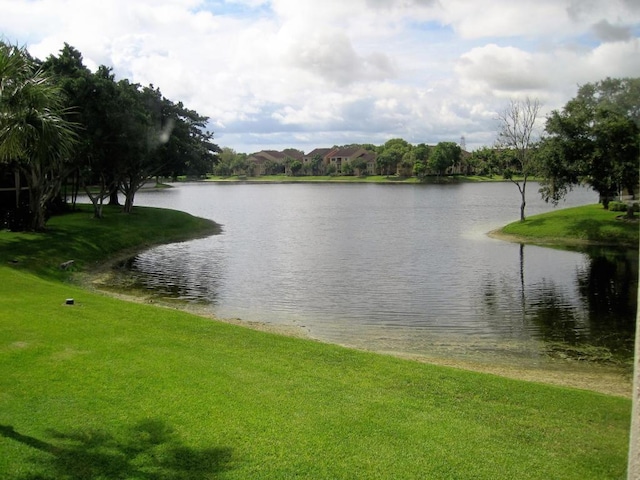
{"points": [[110, 389], [89, 241], [578, 225]]}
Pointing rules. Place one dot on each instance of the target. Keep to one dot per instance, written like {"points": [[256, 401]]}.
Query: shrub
{"points": [[617, 207]]}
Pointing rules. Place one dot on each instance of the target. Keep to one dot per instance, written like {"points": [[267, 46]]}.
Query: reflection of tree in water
{"points": [[609, 288], [162, 277], [606, 318], [603, 314], [152, 451], [553, 313]]}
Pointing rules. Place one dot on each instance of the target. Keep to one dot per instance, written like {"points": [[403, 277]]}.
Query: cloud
{"points": [[329, 54], [283, 73], [611, 33]]}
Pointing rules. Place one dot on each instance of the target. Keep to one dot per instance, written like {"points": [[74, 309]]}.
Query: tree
{"points": [[89, 95], [159, 137], [420, 160], [391, 154], [517, 135], [360, 166], [594, 139], [35, 136], [444, 155], [316, 164]]}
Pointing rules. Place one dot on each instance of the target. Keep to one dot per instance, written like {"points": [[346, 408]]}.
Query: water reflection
{"points": [[609, 288], [179, 272], [597, 310], [391, 268]]}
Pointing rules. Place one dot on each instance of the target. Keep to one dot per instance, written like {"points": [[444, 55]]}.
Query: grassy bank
{"points": [[89, 241], [109, 389], [590, 224]]}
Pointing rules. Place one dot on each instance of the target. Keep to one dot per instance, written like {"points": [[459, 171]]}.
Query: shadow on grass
{"points": [[591, 228], [151, 451]]}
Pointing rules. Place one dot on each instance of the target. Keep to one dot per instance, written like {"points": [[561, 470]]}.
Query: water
{"points": [[398, 268]]}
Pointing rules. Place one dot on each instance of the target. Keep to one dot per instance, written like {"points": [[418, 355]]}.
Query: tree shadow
{"points": [[592, 228], [150, 451]]}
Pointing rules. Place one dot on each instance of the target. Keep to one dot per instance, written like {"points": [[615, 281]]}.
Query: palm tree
{"points": [[35, 137]]}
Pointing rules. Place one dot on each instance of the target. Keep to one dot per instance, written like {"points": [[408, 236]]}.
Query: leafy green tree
{"points": [[294, 165], [316, 164], [240, 165], [517, 137], [158, 136], [36, 138], [360, 165], [443, 156], [595, 139], [348, 168], [391, 154], [486, 161], [89, 96], [420, 161]]}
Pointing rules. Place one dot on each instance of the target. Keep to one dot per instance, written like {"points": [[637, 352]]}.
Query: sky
{"points": [[276, 74]]}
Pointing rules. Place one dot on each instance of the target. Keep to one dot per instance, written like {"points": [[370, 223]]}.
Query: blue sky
{"points": [[273, 74]]}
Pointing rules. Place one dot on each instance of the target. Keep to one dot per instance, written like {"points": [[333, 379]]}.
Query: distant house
{"points": [[322, 153], [342, 156], [370, 159], [338, 157], [259, 161]]}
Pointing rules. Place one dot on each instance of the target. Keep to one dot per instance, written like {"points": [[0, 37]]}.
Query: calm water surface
{"points": [[399, 268]]}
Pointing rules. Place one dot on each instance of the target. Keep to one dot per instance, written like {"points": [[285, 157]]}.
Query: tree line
{"points": [[62, 125], [593, 140]]}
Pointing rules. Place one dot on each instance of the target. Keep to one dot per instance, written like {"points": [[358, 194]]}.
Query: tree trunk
{"points": [[36, 200], [522, 188], [36, 208], [633, 470], [128, 203], [113, 197], [16, 177]]}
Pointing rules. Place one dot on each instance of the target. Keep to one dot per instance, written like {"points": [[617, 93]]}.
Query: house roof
{"points": [[323, 152], [293, 153], [346, 152], [368, 156]]}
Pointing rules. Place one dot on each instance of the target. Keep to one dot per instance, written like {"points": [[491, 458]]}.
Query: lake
{"points": [[393, 268]]}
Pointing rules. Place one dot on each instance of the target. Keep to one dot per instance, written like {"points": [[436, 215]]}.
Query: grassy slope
{"points": [[89, 241], [120, 390], [575, 226]]}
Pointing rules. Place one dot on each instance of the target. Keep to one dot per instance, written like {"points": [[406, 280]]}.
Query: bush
{"points": [[617, 207]]}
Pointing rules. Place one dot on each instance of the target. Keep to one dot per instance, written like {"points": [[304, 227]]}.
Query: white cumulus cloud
{"points": [[313, 73]]}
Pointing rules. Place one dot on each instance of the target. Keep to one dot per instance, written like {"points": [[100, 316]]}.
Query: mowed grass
{"points": [[578, 225], [89, 241], [110, 389]]}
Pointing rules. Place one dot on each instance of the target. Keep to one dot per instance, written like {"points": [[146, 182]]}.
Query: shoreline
{"points": [[606, 379], [498, 234]]}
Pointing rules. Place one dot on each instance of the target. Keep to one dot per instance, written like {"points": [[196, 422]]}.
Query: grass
{"points": [[590, 224], [89, 241], [110, 389]]}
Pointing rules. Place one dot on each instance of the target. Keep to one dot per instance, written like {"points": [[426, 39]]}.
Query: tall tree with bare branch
{"points": [[517, 137]]}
